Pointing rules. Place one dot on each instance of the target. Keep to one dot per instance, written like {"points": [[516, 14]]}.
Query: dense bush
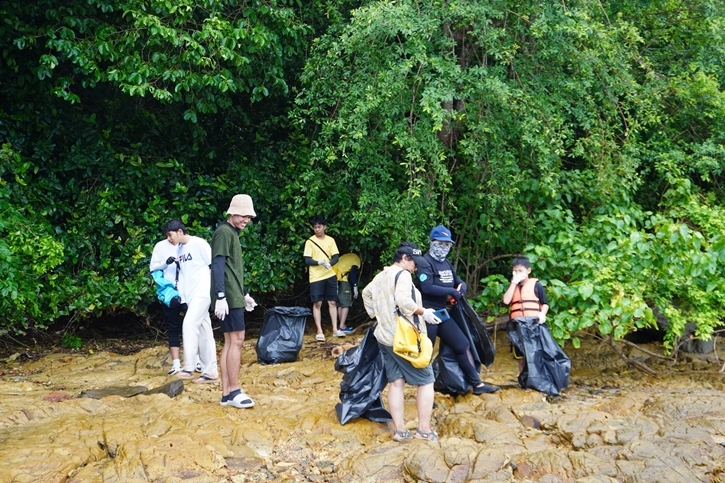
{"points": [[588, 136]]}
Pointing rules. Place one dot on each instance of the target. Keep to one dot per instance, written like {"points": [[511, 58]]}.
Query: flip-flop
{"points": [[185, 375], [205, 380]]}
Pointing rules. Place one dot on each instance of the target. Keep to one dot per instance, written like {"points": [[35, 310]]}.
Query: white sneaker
{"points": [[198, 367], [320, 338], [340, 333]]}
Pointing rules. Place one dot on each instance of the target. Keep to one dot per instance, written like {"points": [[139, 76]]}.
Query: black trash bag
{"points": [[478, 333], [280, 339], [547, 366], [347, 360], [449, 378], [363, 382]]}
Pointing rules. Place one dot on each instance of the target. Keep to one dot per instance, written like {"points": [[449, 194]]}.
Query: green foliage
{"points": [[71, 342], [198, 53], [29, 253], [588, 135], [609, 271]]}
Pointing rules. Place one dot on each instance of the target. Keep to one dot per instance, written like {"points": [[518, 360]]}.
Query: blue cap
{"points": [[441, 233]]}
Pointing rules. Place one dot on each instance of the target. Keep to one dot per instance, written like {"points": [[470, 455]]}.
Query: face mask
{"points": [[438, 251]]}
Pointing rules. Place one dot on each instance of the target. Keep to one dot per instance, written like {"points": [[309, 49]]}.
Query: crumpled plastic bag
{"points": [[363, 383], [449, 377], [547, 366], [280, 339]]}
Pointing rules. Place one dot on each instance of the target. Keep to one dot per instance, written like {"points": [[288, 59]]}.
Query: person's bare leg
{"points": [[317, 315], [424, 404], [522, 364], [396, 403], [342, 316], [223, 364], [233, 358], [174, 353], [333, 314]]}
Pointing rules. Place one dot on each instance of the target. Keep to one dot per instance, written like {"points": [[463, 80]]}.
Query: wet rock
{"points": [[126, 391], [171, 389], [613, 424], [425, 462], [530, 422], [491, 465], [579, 428], [471, 426], [383, 463], [551, 462]]}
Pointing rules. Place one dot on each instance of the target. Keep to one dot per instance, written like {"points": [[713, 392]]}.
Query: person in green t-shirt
{"points": [[229, 296]]}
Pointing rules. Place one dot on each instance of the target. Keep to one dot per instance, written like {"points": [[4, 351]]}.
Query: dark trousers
{"points": [[174, 318], [451, 335]]}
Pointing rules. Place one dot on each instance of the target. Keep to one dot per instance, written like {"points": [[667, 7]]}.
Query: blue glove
{"points": [[455, 294], [463, 288]]}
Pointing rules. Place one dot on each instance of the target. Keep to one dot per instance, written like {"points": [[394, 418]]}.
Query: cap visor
{"points": [[420, 261]]}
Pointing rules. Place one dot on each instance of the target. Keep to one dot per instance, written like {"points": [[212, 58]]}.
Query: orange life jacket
{"points": [[525, 299]]}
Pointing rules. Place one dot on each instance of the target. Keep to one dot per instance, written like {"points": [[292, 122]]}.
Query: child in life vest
{"points": [[526, 297]]}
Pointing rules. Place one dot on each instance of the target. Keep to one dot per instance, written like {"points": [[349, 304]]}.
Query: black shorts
{"points": [[234, 321], [173, 318], [324, 289]]}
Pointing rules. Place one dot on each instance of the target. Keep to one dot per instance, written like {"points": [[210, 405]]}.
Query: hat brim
{"points": [[444, 239], [420, 261]]}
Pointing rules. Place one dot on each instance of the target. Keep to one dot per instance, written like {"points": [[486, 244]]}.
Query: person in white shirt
{"points": [[165, 257], [195, 260]]}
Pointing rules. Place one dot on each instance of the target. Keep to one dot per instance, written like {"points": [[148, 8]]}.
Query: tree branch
{"points": [[649, 353], [639, 365]]}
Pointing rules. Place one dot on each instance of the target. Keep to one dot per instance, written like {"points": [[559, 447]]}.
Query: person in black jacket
{"points": [[440, 285]]}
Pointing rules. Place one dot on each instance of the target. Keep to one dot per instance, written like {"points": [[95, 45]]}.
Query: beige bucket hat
{"points": [[241, 205]]}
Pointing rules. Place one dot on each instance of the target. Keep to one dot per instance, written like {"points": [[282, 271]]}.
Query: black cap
{"points": [[416, 255]]}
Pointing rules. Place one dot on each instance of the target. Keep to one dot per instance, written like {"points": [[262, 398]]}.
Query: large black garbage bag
{"points": [[347, 360], [480, 340], [363, 382], [280, 339], [547, 366], [449, 378]]}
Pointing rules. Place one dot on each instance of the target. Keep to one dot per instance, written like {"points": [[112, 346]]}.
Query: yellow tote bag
{"points": [[411, 345]]}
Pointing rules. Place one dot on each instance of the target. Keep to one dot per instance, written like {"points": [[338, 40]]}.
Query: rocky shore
{"points": [[614, 424]]}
